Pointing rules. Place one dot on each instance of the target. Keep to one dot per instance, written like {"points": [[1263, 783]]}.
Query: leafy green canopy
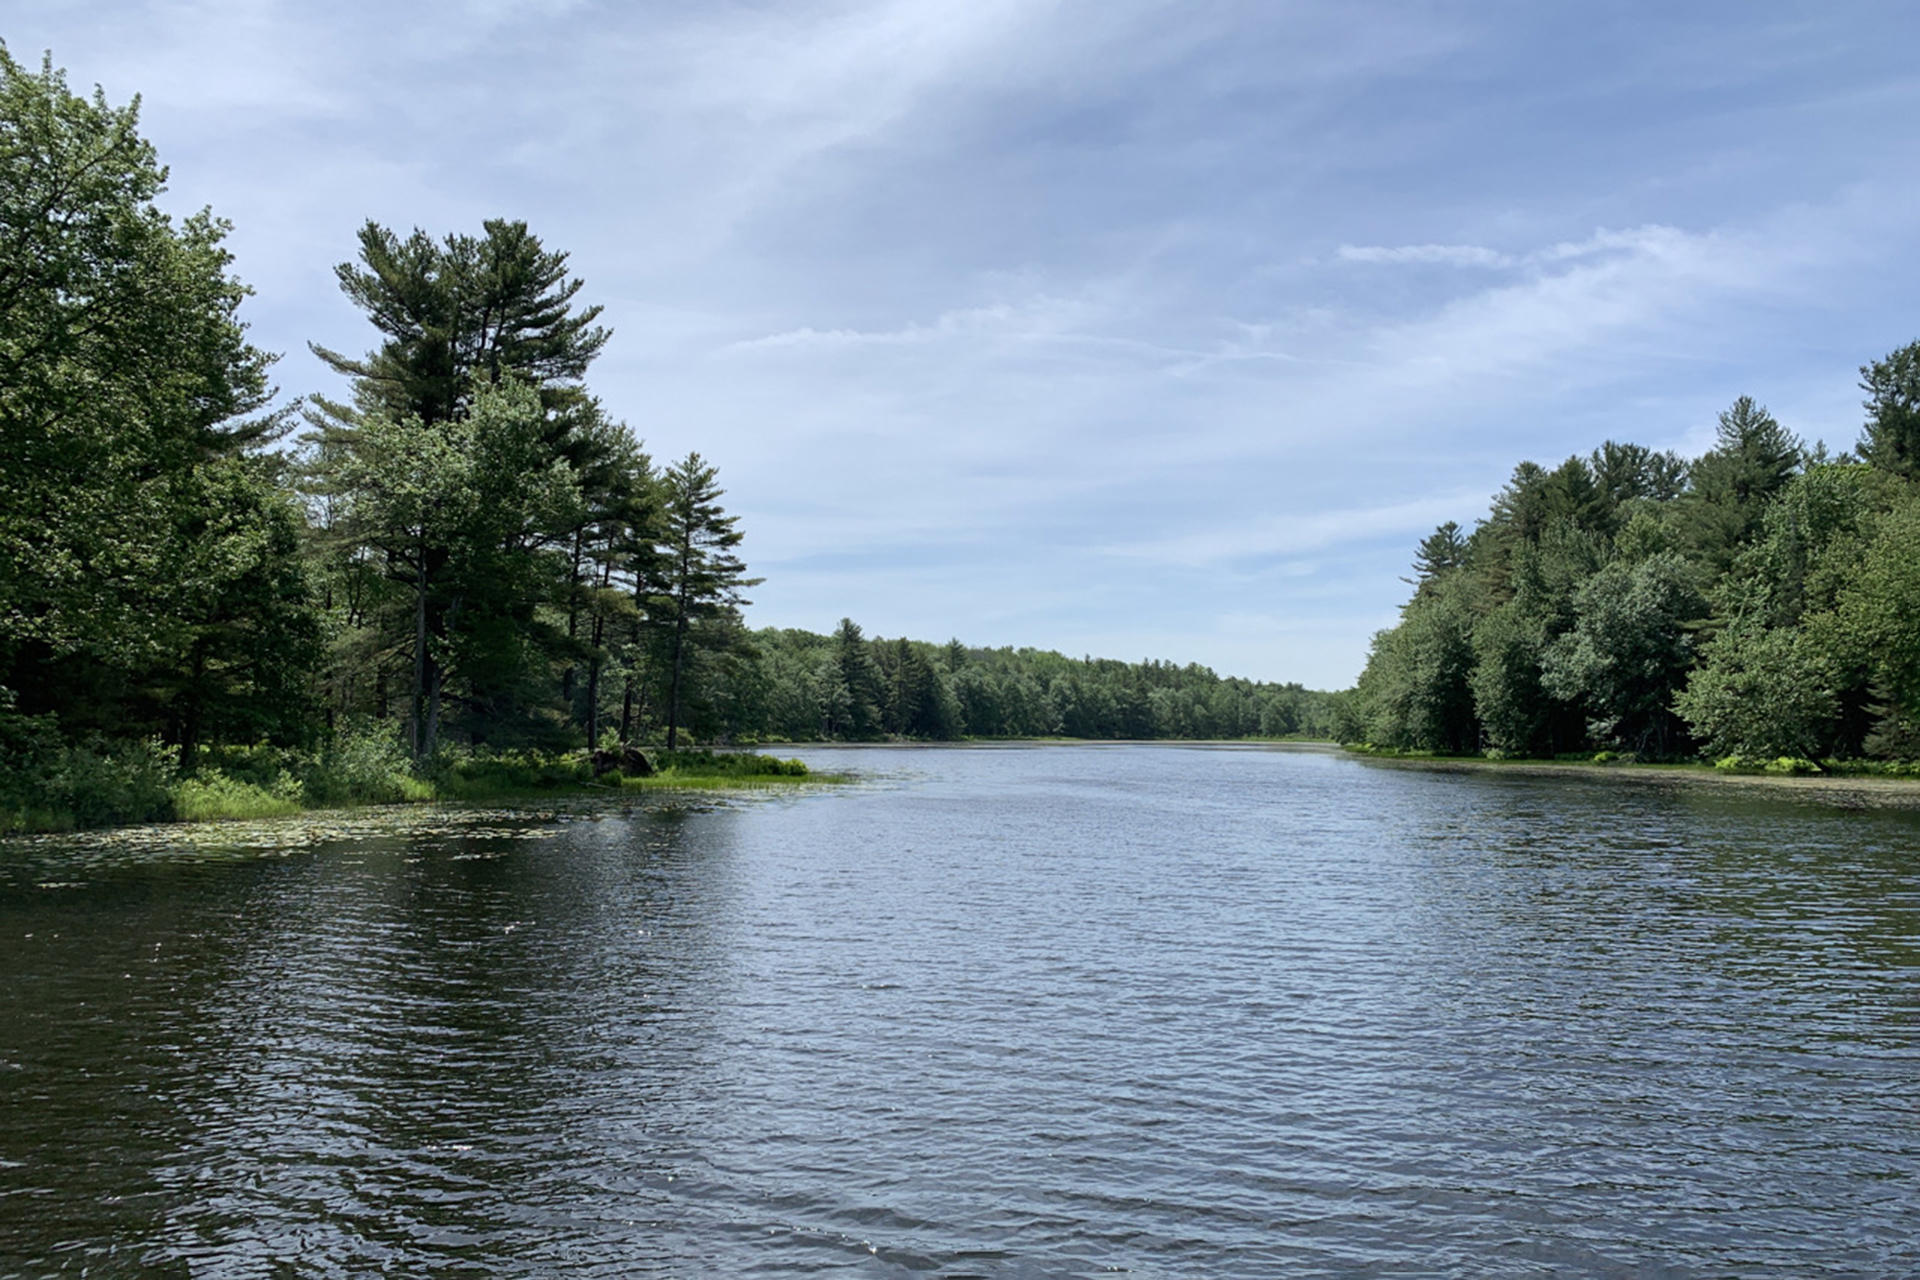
{"points": [[1758, 601], [148, 580]]}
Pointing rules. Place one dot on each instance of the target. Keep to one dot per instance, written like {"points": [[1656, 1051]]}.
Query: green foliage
{"points": [[1892, 438], [727, 764], [908, 688], [457, 314], [47, 784], [1759, 602], [1439, 554], [480, 524], [361, 763], [693, 596], [1762, 693], [148, 575], [1416, 689], [1517, 715], [1753, 458], [1878, 607], [486, 775], [215, 796], [854, 688], [1629, 650]]}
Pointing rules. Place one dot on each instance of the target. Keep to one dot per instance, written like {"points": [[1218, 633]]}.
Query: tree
{"points": [[458, 511], [1415, 691], [1733, 483], [1440, 553], [1516, 713], [129, 401], [1891, 440], [1763, 693], [474, 324], [694, 601], [1633, 472], [1877, 610], [1629, 651], [856, 688], [461, 311]]}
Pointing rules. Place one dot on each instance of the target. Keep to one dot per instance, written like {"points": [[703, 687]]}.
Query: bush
{"points": [[363, 763], [486, 774], [728, 764], [1795, 765], [47, 784]]}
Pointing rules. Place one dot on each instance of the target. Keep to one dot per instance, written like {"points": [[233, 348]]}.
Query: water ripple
{"points": [[999, 1013]]}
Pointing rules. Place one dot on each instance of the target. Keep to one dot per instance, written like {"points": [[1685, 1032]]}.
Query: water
{"points": [[1048, 1012]]}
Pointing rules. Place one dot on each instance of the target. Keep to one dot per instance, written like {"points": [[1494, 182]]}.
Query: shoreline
{"points": [[1836, 791], [480, 797]]}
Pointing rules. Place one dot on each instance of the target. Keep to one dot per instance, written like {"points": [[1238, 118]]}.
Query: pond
{"points": [[1052, 1011]]}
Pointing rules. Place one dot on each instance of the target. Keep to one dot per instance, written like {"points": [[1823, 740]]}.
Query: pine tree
{"points": [[469, 322], [458, 311], [1891, 440], [694, 602]]}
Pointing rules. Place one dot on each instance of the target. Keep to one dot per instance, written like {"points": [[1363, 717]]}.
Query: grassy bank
{"points": [[51, 786], [1876, 784]]}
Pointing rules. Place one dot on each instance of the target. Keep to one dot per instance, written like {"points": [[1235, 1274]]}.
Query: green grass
{"points": [[214, 796], [50, 787]]}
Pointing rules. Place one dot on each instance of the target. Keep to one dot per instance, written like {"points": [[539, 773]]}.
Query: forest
{"points": [[1758, 606], [215, 599]]}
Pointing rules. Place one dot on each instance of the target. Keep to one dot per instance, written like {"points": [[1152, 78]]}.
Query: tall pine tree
{"points": [[693, 604]]}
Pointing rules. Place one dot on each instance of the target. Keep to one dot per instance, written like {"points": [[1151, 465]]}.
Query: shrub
{"points": [[363, 763], [485, 774], [728, 764]]}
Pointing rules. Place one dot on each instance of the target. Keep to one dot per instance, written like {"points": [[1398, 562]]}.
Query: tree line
{"points": [[800, 686], [460, 550], [462, 547], [1758, 603]]}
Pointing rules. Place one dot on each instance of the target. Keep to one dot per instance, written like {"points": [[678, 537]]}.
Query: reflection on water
{"points": [[1054, 1012]]}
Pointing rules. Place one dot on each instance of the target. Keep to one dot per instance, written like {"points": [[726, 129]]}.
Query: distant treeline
{"points": [[1758, 603], [799, 686]]}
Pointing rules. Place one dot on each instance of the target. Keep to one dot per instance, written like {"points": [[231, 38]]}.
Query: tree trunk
{"points": [[681, 592], [593, 686], [673, 684], [190, 713], [573, 617], [433, 709], [417, 708]]}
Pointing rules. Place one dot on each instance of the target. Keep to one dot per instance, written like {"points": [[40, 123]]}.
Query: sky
{"points": [[1119, 327]]}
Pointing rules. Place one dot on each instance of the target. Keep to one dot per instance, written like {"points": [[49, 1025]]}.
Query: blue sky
{"points": [[1113, 326]]}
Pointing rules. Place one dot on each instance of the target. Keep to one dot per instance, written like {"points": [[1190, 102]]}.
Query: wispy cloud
{"points": [[1000, 321], [1103, 323], [1287, 535], [1450, 255]]}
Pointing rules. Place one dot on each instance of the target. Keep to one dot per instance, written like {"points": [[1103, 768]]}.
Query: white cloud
{"points": [[1452, 255], [1022, 311], [999, 320], [1295, 533]]}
